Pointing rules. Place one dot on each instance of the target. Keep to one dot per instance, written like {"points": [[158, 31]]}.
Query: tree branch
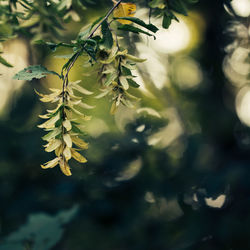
{"points": [[90, 35]]}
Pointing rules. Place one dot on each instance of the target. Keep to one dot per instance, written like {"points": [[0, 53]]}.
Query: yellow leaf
{"points": [[118, 100], [124, 82], [51, 164], [131, 97], [46, 116], [56, 91], [81, 115], [51, 122], [85, 106], [64, 166], [82, 90], [125, 10], [67, 139], [67, 153], [73, 97], [54, 110], [111, 57], [104, 93], [122, 53], [54, 97], [67, 125], [78, 156], [79, 142], [52, 145], [135, 59], [68, 113], [113, 108], [71, 103], [30, 22], [52, 134], [59, 150], [149, 111]]}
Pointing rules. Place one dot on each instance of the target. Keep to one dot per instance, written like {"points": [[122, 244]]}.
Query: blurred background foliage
{"points": [[172, 174]]}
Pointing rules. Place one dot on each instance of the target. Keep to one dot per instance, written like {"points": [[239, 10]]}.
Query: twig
{"points": [[90, 35], [65, 79]]}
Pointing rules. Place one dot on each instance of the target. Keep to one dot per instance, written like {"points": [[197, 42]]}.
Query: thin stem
{"points": [[105, 18], [90, 35], [119, 69], [65, 79]]}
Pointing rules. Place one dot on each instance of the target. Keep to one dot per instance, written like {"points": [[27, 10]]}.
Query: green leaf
{"points": [[107, 35], [65, 66], [166, 21], [132, 66], [54, 46], [178, 6], [138, 21], [126, 71], [35, 71], [133, 29], [90, 51], [96, 22], [91, 42], [83, 34], [132, 83], [75, 129], [4, 62]]}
